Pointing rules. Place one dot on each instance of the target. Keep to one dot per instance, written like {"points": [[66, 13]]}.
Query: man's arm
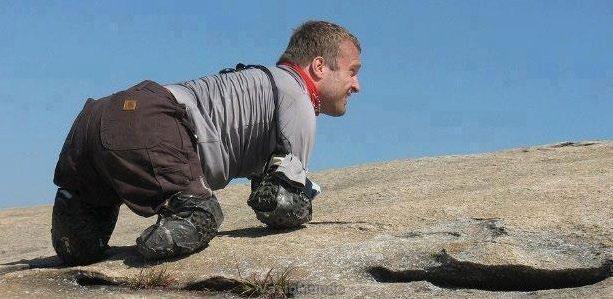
{"points": [[282, 198]]}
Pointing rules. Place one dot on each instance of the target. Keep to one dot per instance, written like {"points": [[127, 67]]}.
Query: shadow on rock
{"points": [[132, 258], [128, 254], [256, 232], [36, 263]]}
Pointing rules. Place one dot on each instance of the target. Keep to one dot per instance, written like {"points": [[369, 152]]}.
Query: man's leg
{"points": [[80, 231], [185, 225], [86, 208], [147, 153]]}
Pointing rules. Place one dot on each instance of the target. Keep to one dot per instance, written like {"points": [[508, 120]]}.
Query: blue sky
{"points": [[438, 77]]}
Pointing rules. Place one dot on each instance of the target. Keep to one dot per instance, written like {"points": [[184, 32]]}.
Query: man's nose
{"points": [[356, 85]]}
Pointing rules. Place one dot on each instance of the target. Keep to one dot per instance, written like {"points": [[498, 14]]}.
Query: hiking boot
{"points": [[185, 225]]}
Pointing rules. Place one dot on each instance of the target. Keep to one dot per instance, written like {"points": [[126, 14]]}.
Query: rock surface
{"points": [[532, 222]]}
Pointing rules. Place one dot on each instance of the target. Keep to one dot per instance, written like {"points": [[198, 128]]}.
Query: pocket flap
{"points": [[126, 124]]}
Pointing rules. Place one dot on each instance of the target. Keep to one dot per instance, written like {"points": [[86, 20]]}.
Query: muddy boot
{"points": [[80, 231], [278, 204], [185, 225], [292, 210]]}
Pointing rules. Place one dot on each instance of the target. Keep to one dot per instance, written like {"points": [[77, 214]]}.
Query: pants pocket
{"points": [[129, 123], [171, 167]]}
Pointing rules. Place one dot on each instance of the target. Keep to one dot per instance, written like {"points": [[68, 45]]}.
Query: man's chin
{"points": [[337, 113], [337, 110]]}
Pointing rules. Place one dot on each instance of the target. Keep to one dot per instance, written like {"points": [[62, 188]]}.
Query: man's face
{"points": [[337, 85]]}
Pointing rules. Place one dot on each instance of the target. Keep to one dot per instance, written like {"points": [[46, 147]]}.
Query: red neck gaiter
{"points": [[311, 88]]}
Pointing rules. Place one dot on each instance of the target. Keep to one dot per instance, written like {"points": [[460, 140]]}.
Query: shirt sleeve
{"points": [[297, 126]]}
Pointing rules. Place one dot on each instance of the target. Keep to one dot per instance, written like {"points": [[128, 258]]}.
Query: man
{"points": [[161, 150]]}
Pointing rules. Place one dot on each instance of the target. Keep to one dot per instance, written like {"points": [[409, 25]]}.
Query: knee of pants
{"points": [[80, 232], [184, 204]]}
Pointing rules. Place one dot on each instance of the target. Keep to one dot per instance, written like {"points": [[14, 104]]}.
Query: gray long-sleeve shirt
{"points": [[235, 128]]}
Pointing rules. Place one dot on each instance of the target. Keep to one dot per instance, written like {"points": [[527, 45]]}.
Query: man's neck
{"points": [[312, 88]]}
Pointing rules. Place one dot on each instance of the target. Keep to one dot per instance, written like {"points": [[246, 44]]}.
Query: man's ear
{"points": [[317, 68]]}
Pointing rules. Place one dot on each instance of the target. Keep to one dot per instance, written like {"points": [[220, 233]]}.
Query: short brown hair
{"points": [[317, 38]]}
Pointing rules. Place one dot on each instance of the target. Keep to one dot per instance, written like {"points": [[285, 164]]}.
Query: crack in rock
{"points": [[484, 255], [421, 234], [492, 226], [570, 143], [496, 228], [90, 278], [360, 225], [564, 144], [215, 284], [470, 253], [455, 274]]}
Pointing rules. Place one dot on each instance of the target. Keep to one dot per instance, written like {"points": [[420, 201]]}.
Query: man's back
{"points": [[234, 118]]}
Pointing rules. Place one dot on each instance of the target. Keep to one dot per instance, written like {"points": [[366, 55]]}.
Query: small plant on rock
{"points": [[273, 284], [150, 278]]}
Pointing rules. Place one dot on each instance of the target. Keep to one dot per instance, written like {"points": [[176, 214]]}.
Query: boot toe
{"points": [[156, 242]]}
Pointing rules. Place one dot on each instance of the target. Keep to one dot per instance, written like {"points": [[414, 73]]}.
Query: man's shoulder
{"points": [[291, 89], [287, 81]]}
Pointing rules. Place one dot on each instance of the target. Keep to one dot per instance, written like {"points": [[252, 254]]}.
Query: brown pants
{"points": [[133, 147]]}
